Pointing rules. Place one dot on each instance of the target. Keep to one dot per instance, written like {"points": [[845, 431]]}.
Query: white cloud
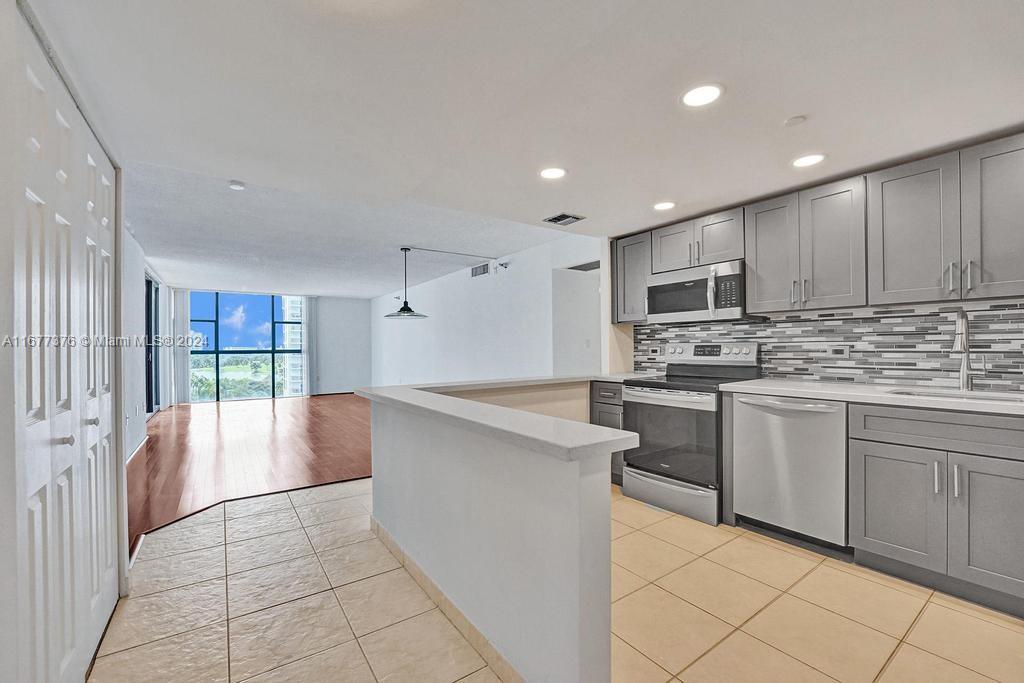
{"points": [[236, 318], [264, 329]]}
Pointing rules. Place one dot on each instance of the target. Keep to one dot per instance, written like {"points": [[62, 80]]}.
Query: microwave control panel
{"points": [[729, 292]]}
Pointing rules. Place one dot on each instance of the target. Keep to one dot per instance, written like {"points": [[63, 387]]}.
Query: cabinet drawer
{"points": [[606, 392], [997, 435]]}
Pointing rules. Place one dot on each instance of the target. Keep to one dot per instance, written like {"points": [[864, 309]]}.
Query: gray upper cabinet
{"points": [[897, 499], [985, 508], [718, 237], [993, 218], [773, 254], [914, 231], [632, 266], [832, 245], [672, 247]]}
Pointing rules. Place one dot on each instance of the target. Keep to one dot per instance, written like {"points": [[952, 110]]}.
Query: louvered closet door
{"points": [[65, 489]]}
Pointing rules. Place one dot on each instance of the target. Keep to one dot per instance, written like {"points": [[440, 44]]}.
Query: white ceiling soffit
{"points": [[459, 103]]}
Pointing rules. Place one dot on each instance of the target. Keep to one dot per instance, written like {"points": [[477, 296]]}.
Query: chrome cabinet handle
{"points": [[94, 421], [936, 476], [645, 306], [689, 253], [68, 440], [606, 394], [698, 251], [970, 278], [956, 481], [803, 291], [792, 293], [952, 267]]}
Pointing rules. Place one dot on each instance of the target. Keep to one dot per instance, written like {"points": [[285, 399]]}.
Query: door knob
{"points": [[94, 421], [68, 440]]}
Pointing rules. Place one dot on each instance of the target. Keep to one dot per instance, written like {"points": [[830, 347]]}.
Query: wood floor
{"points": [[199, 455]]}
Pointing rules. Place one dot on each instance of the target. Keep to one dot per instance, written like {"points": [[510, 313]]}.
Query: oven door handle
{"points": [[786, 405], [679, 486], [669, 400]]}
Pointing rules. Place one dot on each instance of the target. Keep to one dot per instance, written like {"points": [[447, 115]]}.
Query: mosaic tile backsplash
{"points": [[899, 344]]}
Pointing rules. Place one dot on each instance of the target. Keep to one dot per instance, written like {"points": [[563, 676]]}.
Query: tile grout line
{"points": [[924, 649], [634, 649]]}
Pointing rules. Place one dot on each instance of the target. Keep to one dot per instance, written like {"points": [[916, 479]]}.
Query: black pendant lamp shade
{"points": [[405, 312]]}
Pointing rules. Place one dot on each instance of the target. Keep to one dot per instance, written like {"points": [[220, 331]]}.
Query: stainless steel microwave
{"points": [[712, 292]]}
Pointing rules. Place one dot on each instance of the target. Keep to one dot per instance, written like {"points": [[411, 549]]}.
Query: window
{"points": [[251, 346]]}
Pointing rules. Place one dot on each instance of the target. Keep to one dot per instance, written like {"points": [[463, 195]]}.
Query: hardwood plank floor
{"points": [[202, 454]]}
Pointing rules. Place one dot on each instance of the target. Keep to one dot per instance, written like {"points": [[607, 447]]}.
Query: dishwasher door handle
{"points": [[788, 405]]}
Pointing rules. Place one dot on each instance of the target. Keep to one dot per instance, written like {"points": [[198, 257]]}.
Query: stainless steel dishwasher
{"points": [[789, 464]]}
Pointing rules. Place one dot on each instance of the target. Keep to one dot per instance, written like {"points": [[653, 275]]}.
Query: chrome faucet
{"points": [[962, 345]]}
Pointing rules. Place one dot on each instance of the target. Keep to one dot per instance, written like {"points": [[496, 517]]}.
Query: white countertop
{"points": [[878, 394], [560, 438]]}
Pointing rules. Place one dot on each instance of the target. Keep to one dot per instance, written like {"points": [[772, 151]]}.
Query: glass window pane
{"points": [[202, 378], [289, 374], [244, 321], [203, 331], [289, 308], [244, 375], [202, 305], [288, 336]]}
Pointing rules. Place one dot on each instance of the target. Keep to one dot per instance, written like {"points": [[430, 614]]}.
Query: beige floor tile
{"points": [[912, 665], [200, 655], [357, 561], [833, 644], [343, 663], [728, 595], [629, 666], [635, 514], [254, 506], [382, 600], [648, 557], [977, 644], [172, 540], [207, 516], [424, 649], [668, 630], [262, 524], [697, 537], [878, 577], [274, 584], [624, 582], [619, 529], [484, 675], [340, 532], [142, 620], [990, 615], [319, 494], [173, 571], [783, 545], [743, 659], [273, 637], [872, 604], [761, 561], [259, 552], [330, 510], [616, 491]]}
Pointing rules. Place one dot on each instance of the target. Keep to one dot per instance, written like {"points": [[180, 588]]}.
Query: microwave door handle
{"points": [[712, 276]]}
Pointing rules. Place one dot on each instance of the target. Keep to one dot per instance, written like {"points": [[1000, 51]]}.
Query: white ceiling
{"points": [[370, 112]]}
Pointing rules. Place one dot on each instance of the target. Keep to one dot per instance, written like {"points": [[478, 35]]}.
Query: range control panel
{"points": [[724, 353]]}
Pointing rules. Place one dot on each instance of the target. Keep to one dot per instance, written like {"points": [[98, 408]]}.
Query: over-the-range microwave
{"points": [[712, 292]]}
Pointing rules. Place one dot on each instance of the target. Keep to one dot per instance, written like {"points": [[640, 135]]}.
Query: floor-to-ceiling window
{"points": [[251, 346]]}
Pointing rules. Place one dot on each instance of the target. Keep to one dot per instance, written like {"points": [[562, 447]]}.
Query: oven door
{"points": [[679, 434], [713, 292]]}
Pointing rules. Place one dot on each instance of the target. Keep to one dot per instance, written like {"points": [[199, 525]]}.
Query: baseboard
{"points": [[498, 664], [137, 449]]}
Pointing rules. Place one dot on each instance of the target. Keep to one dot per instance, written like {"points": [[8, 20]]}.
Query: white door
{"points": [[65, 492]]}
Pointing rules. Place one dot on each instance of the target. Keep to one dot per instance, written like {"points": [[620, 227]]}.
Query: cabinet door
{"points": [[718, 237], [773, 254], [672, 247], [986, 507], [914, 232], [832, 251], [632, 266], [993, 218], [606, 415], [898, 503]]}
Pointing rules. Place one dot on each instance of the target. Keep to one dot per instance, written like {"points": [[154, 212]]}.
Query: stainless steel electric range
{"points": [[678, 465]]}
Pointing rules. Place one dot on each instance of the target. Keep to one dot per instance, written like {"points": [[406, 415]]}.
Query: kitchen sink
{"points": [[965, 395]]}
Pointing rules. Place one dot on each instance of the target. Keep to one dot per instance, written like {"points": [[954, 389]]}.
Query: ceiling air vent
{"points": [[482, 269], [564, 219]]}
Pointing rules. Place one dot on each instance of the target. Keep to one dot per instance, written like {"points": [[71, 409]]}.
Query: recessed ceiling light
{"points": [[702, 95], [664, 206], [552, 173], [236, 185], [808, 160], [794, 120]]}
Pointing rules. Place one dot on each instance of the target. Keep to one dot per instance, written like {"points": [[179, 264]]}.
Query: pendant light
{"points": [[405, 311]]}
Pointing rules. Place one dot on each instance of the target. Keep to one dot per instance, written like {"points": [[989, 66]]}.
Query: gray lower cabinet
{"points": [[773, 254], [986, 522], [914, 231], [897, 499], [718, 237], [606, 410], [992, 176], [632, 266], [672, 247], [832, 245]]}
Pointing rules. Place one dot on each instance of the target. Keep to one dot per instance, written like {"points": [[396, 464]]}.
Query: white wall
{"points": [[342, 355], [490, 327], [133, 357], [576, 322]]}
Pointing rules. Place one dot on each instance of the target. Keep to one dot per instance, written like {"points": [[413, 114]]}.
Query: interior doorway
{"points": [[152, 355]]}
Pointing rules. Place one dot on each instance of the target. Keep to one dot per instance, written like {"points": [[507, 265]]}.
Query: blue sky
{"points": [[245, 319]]}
